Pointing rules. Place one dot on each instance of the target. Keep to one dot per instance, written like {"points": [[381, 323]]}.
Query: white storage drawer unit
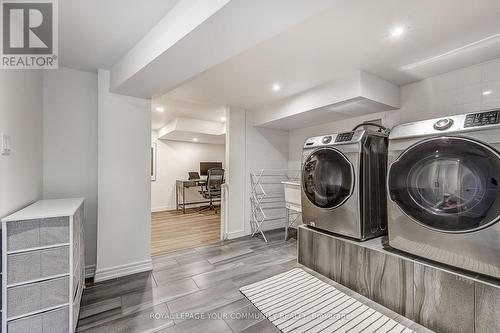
{"points": [[43, 267]]}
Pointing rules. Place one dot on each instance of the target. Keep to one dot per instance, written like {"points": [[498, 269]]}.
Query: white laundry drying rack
{"points": [[267, 196]]}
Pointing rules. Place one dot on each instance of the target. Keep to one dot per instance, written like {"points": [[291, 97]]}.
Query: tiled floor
{"points": [[196, 290]]}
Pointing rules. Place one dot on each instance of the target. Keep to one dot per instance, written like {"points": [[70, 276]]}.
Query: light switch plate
{"points": [[5, 145]]}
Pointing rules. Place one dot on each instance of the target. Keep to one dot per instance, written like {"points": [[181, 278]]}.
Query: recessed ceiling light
{"points": [[160, 109], [222, 118], [276, 87], [397, 32], [487, 92], [195, 139]]}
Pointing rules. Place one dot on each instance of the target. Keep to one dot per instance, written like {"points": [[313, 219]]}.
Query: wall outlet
{"points": [[5, 144]]}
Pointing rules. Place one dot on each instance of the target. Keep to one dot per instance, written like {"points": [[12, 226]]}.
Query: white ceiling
{"points": [[96, 33], [183, 108], [353, 34]]}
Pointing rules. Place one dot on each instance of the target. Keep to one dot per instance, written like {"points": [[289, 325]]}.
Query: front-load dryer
{"points": [[343, 183], [443, 185]]}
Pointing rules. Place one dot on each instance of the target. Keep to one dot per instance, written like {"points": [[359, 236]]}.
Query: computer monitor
{"points": [[204, 166]]}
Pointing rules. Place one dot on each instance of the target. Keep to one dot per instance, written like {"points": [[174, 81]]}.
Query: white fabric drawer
{"points": [[35, 233], [55, 321], [37, 296], [32, 265]]}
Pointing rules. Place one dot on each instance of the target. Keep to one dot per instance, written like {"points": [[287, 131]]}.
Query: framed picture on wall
{"points": [[153, 161]]}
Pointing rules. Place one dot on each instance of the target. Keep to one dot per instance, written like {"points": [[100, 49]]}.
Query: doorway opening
{"points": [[188, 158]]}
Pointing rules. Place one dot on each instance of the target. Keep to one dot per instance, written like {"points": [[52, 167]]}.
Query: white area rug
{"points": [[296, 301]]}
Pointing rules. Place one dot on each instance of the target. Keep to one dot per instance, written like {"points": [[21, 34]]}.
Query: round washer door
{"points": [[449, 184], [327, 178]]}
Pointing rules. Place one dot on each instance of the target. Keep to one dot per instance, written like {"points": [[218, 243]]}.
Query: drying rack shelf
{"points": [[267, 197]]}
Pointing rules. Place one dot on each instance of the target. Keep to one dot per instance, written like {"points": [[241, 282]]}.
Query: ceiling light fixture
{"points": [[487, 92], [276, 87], [397, 32], [160, 109], [195, 139], [222, 118]]}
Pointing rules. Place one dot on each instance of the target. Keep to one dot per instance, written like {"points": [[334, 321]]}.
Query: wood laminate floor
{"points": [[172, 230], [197, 290]]}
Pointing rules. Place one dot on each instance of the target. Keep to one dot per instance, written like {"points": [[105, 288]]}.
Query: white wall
{"points": [[173, 161], [124, 183], [250, 148], [70, 144], [236, 172], [21, 118], [457, 92], [266, 148]]}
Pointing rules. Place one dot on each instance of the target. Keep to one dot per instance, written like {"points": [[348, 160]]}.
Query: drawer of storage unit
{"points": [[34, 233], [37, 296], [32, 265], [54, 321]]}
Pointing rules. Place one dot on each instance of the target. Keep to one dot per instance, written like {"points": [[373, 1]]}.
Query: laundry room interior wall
{"points": [[21, 118], [250, 148], [465, 90]]}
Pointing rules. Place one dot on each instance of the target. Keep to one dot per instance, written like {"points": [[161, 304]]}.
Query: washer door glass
{"points": [[327, 178], [448, 183]]}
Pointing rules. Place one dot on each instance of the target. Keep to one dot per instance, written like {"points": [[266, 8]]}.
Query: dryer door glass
{"points": [[327, 178], [449, 184]]}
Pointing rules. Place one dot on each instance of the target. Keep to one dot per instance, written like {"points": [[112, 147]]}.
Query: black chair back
{"points": [[215, 179]]}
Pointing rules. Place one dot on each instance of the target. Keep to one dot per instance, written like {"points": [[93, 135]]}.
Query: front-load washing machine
{"points": [[443, 185], [343, 183]]}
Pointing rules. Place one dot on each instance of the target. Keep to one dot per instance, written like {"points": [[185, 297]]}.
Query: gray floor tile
{"points": [[151, 319], [162, 264], [202, 283], [101, 306], [118, 287], [231, 307], [243, 318], [229, 255], [206, 300], [199, 256], [263, 326], [181, 272], [160, 294], [267, 272], [218, 275], [198, 326]]}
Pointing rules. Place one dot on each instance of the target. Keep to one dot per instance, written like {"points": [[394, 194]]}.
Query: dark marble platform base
{"points": [[429, 295]]}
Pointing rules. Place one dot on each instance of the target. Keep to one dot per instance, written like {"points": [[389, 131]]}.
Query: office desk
{"points": [[180, 189]]}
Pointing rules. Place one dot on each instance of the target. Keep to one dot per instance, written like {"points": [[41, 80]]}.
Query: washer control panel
{"points": [[482, 118], [335, 139], [344, 137], [327, 139], [443, 124]]}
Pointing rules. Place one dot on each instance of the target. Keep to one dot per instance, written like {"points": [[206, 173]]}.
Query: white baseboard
{"points": [[162, 208], [236, 234], [123, 270], [89, 271], [167, 208]]}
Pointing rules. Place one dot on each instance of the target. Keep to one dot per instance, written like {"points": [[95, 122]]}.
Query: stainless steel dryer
{"points": [[343, 183], [443, 185]]}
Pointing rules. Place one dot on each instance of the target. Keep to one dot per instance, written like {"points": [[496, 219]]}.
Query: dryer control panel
{"points": [[335, 139], [482, 119], [344, 137]]}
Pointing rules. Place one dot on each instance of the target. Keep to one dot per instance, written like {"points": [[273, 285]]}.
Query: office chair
{"points": [[212, 188]]}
